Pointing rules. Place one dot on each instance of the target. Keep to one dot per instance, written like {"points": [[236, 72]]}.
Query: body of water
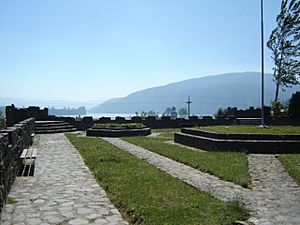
{"points": [[99, 115]]}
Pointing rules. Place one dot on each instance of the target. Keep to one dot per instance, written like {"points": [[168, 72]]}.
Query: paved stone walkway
{"points": [[62, 190], [275, 198], [277, 194]]}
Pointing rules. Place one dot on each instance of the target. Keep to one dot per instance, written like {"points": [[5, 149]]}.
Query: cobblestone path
{"points": [[277, 194], [274, 200], [62, 190]]}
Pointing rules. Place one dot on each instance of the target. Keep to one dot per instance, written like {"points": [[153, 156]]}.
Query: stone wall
{"points": [[167, 122], [251, 112], [13, 140], [15, 115], [240, 117]]}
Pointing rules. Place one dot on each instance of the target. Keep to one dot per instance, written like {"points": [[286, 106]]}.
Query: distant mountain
{"points": [[208, 93]]}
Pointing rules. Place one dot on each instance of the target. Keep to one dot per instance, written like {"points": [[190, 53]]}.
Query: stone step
{"points": [[50, 123], [53, 127], [55, 131]]}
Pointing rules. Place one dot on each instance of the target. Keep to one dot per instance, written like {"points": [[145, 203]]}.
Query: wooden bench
{"points": [[29, 153], [28, 157]]}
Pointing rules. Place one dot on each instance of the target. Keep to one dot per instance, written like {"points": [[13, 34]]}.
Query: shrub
{"points": [[294, 106]]}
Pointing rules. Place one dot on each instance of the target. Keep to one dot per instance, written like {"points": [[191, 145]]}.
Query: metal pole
{"points": [[262, 65]]}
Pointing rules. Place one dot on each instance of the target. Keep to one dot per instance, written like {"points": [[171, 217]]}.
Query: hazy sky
{"points": [[95, 49]]}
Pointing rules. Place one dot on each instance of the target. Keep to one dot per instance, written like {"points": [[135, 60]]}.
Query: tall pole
{"points": [[189, 103], [262, 64]]}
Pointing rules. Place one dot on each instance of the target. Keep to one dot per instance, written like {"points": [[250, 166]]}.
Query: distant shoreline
{"points": [[99, 115]]}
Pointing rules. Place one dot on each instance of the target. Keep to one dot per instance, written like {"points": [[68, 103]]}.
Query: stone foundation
{"points": [[98, 132], [248, 143]]}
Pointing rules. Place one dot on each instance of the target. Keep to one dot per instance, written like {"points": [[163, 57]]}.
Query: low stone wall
{"points": [[249, 117], [12, 142], [238, 145], [215, 135], [167, 122], [98, 132]]}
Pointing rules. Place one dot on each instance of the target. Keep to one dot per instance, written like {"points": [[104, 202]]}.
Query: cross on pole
{"points": [[189, 103]]}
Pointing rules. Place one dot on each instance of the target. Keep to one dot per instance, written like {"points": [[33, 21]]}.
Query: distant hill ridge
{"points": [[208, 93]]}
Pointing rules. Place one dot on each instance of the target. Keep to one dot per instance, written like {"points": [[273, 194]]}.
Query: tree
{"points": [[151, 113], [182, 112], [294, 106], [167, 111], [143, 114], [2, 120], [284, 42], [279, 108], [173, 113]]}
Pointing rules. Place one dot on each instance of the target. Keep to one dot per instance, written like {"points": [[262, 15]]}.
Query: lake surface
{"points": [[99, 115]]}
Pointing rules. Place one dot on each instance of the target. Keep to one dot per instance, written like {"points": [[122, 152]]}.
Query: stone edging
{"points": [[215, 135], [237, 145], [96, 132]]}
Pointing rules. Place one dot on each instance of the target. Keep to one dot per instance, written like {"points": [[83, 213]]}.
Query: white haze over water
{"points": [[99, 115]]}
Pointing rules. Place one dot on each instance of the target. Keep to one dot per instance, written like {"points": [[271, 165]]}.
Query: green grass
{"points": [[145, 195], [253, 129], [166, 133], [292, 165], [11, 201], [229, 166]]}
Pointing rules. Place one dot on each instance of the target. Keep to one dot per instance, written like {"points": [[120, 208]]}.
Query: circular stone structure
{"points": [[118, 132]]}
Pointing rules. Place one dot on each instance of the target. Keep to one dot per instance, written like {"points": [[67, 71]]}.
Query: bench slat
{"points": [[29, 153], [24, 153], [34, 153]]}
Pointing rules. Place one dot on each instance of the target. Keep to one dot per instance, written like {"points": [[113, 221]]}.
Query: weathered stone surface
{"points": [[62, 191], [276, 193]]}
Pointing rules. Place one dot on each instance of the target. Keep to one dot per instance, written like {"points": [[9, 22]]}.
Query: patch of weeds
{"points": [[65, 222], [11, 201]]}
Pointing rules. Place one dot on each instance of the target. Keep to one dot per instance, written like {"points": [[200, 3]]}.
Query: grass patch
{"points": [[229, 166], [292, 164], [252, 129], [11, 201], [166, 133], [145, 195]]}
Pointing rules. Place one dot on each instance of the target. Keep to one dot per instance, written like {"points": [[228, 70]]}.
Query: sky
{"points": [[93, 50]]}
